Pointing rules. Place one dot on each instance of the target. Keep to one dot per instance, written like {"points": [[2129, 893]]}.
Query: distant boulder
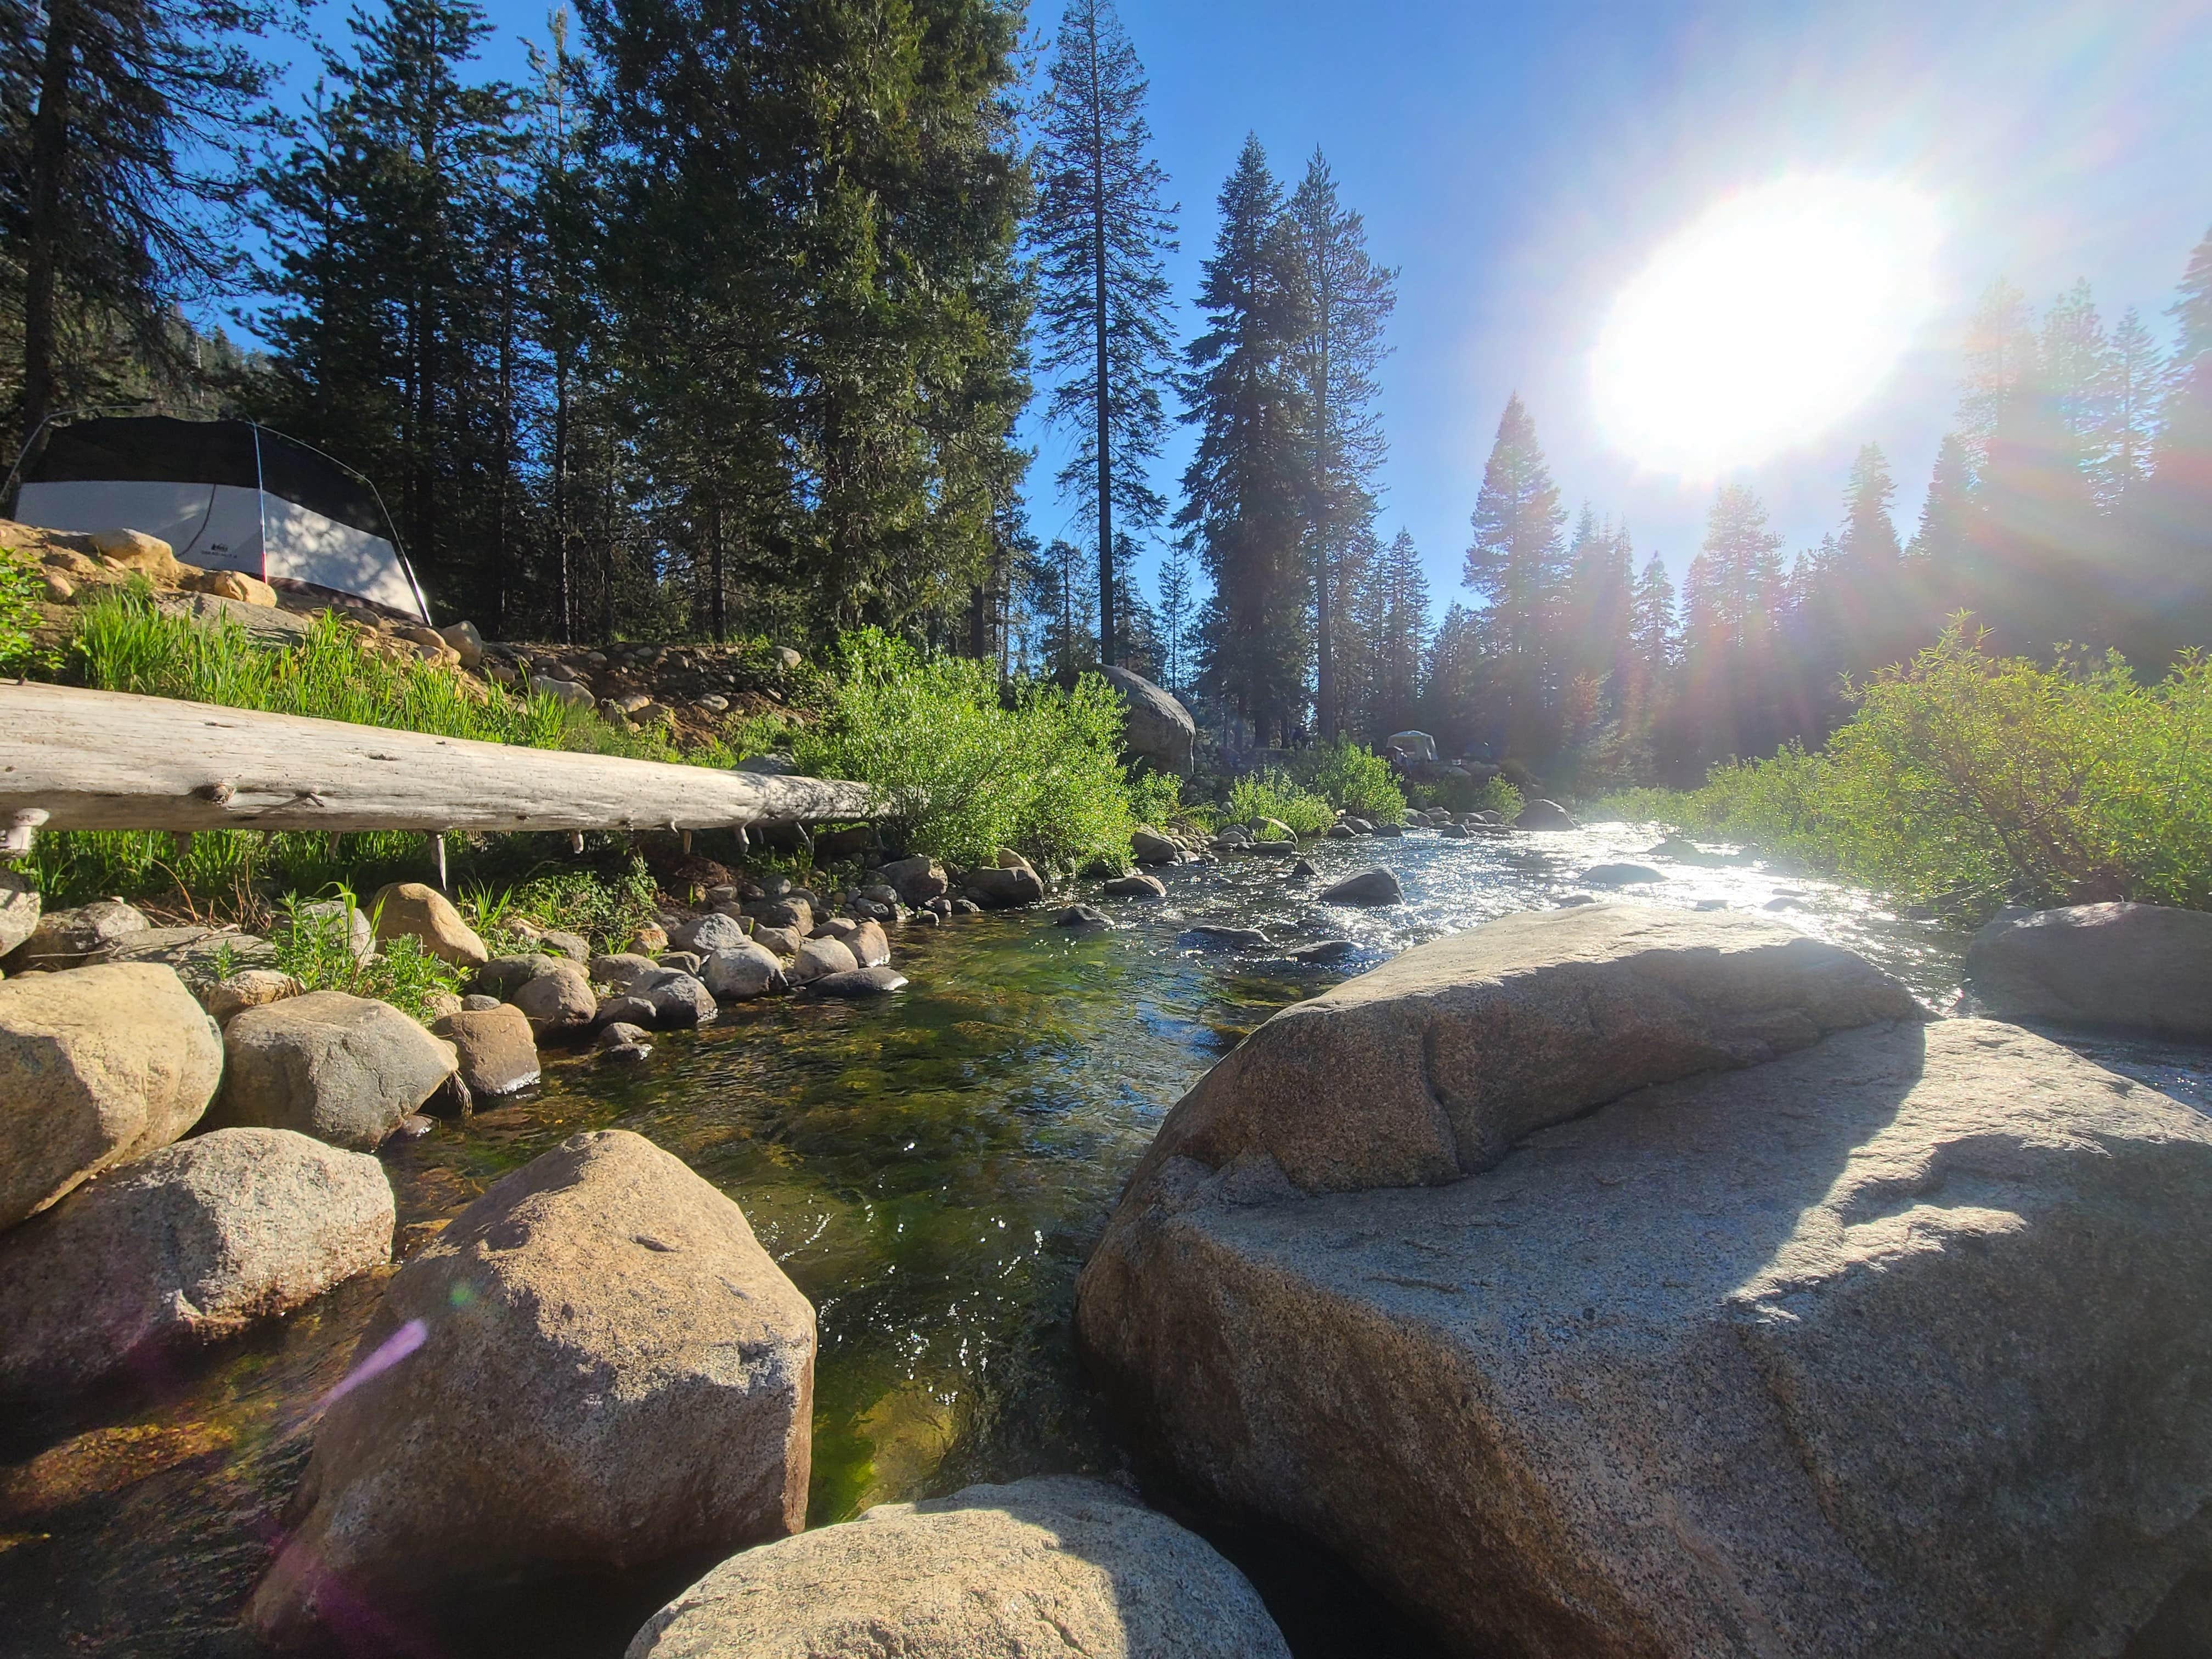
{"points": [[1160, 729]]}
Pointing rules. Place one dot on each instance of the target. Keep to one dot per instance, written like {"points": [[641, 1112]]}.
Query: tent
{"points": [[226, 495]]}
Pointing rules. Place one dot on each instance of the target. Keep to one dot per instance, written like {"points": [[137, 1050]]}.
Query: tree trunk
{"points": [[714, 563], [48, 159]]}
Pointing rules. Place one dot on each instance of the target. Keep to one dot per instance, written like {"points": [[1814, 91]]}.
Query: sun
{"points": [[1766, 322]]}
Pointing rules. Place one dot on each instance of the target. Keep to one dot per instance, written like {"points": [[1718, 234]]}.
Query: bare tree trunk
{"points": [[1106, 630], [48, 156]]}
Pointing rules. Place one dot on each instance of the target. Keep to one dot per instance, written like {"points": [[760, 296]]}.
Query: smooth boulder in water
{"points": [[493, 1047], [197, 1242], [594, 1366], [2144, 967], [1619, 875], [1212, 936], [1812, 1353], [1545, 815], [856, 983], [1052, 1565], [1368, 887], [1083, 915], [744, 971], [1138, 885]]}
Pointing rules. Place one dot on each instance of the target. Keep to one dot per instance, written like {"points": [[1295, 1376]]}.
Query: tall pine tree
{"points": [[1100, 233], [1516, 562]]}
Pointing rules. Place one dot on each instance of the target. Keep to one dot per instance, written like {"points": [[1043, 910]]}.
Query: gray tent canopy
{"points": [[226, 495]]}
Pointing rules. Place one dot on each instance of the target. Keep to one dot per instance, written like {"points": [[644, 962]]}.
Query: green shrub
{"points": [[1969, 782], [21, 583], [1156, 798], [1492, 794], [1272, 793], [315, 948], [1346, 775], [604, 907], [961, 770]]}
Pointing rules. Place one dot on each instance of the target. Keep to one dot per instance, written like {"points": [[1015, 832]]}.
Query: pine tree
{"points": [[1344, 300], [1101, 234], [1941, 545], [1403, 635], [124, 146], [1515, 562], [2134, 374], [1242, 509], [1651, 635], [2177, 517], [1177, 619]]}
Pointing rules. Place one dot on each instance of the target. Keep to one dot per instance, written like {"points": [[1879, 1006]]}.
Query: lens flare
{"points": [[1766, 322]]}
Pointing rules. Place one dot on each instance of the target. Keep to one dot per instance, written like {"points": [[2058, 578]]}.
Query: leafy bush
{"points": [[20, 586], [1492, 794], [604, 907], [1156, 798], [1969, 782], [315, 947], [1346, 775], [1272, 793], [961, 770]]}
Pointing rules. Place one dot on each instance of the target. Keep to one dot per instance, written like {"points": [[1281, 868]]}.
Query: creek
{"points": [[930, 1169]]}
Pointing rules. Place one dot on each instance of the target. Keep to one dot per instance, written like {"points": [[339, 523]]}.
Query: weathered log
{"points": [[109, 760]]}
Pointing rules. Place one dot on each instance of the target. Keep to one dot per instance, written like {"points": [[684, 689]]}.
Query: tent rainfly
{"points": [[226, 495]]}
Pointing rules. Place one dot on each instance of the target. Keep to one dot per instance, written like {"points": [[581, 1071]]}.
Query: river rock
{"points": [[1847, 1353], [1003, 888], [1442, 1058], [707, 934], [1302, 870], [343, 1069], [574, 946], [817, 957], [648, 941], [780, 941], [622, 1034], [1328, 951], [619, 972], [412, 910], [1341, 831], [678, 1001], [1048, 1566], [1083, 915], [795, 913], [74, 938], [916, 880], [1135, 886], [1454, 832], [858, 982], [559, 1000], [1160, 728], [502, 977], [1148, 846], [743, 972], [595, 1367], [20, 906], [254, 987], [1545, 815], [98, 1065], [2137, 967], [341, 924], [1368, 887], [496, 1053], [630, 1008], [1619, 875], [192, 1244], [870, 946]]}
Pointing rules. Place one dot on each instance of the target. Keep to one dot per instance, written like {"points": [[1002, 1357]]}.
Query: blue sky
{"points": [[1519, 164]]}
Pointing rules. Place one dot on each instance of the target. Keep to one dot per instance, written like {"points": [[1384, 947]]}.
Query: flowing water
{"points": [[930, 1169]]}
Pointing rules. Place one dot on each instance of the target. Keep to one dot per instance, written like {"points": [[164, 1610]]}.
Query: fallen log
{"points": [[109, 760]]}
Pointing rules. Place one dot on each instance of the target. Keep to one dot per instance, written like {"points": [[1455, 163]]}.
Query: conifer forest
{"points": [[724, 321]]}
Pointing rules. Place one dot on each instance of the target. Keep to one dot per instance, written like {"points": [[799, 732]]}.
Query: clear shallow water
{"points": [[930, 1169]]}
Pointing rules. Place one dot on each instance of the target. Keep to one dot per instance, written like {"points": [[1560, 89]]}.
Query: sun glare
{"points": [[1770, 319]]}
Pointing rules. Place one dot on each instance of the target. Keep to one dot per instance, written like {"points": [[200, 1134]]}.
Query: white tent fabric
{"points": [[226, 495]]}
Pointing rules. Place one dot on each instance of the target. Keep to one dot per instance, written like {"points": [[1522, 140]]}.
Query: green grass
{"points": [[1968, 782], [315, 948]]}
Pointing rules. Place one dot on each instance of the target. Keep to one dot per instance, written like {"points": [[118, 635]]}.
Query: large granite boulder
{"points": [[98, 1066], [2140, 967], [413, 910], [1430, 1067], [1896, 1346], [193, 1244], [1160, 728], [1048, 1566], [1003, 886], [916, 880], [595, 1367], [342, 1068]]}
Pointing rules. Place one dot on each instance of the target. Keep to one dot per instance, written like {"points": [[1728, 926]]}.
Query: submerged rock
{"points": [[194, 1243], [595, 1366], [1048, 1566], [1211, 936], [858, 982], [1850, 1352], [343, 1069], [98, 1065], [2140, 967]]}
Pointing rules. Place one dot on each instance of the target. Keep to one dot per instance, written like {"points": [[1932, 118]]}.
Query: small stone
{"points": [[708, 933], [476, 1002], [647, 941], [619, 1034]]}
